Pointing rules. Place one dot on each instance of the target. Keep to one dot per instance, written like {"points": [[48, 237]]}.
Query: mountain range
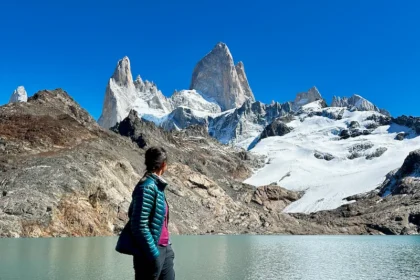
{"points": [[296, 167], [356, 135]]}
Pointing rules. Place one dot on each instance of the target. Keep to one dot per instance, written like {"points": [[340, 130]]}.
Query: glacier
{"points": [[290, 160]]}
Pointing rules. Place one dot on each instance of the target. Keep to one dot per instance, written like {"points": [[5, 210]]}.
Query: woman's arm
{"points": [[143, 201]]}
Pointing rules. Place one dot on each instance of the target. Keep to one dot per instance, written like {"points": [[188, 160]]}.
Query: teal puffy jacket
{"points": [[146, 217]]}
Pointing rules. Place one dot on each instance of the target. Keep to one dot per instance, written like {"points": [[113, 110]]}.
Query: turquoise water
{"points": [[220, 257]]}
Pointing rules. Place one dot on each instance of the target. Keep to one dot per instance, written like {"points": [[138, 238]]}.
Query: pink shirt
{"points": [[164, 236]]}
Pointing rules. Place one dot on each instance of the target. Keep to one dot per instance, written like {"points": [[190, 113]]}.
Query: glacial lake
{"points": [[220, 257]]}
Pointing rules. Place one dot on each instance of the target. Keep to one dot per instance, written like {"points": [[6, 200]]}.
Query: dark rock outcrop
{"points": [[401, 136], [406, 180], [353, 133], [354, 125], [276, 128], [377, 153], [380, 120], [324, 156], [344, 134], [358, 150], [409, 121]]}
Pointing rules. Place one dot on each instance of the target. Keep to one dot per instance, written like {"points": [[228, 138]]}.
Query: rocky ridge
{"points": [[357, 102], [61, 174]]}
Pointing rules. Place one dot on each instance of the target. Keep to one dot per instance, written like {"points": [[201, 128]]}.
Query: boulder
{"points": [[401, 136], [276, 128]]}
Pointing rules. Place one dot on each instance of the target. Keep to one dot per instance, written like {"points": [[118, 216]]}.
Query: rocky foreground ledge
{"points": [[63, 175]]}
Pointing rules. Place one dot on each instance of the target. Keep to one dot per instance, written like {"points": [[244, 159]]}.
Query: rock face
{"points": [[401, 136], [218, 79], [243, 80], [183, 117], [276, 128], [304, 98], [191, 99], [408, 121], [406, 180], [19, 95], [356, 102], [245, 124], [274, 198], [123, 94]]}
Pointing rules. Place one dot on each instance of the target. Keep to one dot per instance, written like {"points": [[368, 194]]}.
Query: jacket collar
{"points": [[159, 181]]}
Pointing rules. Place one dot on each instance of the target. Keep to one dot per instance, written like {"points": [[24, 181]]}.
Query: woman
{"points": [[146, 234]]}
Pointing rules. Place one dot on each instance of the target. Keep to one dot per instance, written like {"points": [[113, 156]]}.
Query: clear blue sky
{"points": [[368, 47]]}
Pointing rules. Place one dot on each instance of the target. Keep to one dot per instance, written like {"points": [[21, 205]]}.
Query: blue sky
{"points": [[343, 47]]}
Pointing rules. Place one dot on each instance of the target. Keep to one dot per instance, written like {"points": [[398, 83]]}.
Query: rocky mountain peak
{"points": [[123, 94], [19, 95], [122, 74], [222, 47], [307, 97], [216, 78], [356, 102], [138, 80], [314, 90]]}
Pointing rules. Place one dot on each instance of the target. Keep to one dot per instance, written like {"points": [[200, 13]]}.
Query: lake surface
{"points": [[220, 257]]}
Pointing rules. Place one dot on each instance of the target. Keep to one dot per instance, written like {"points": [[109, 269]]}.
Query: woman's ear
{"points": [[164, 167]]}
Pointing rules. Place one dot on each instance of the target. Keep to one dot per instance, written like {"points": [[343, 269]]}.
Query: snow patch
{"points": [[327, 183]]}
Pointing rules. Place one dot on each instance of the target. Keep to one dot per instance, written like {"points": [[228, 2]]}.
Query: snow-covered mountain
{"points": [[123, 94], [193, 100], [330, 153], [356, 102], [304, 98], [243, 125], [19, 95]]}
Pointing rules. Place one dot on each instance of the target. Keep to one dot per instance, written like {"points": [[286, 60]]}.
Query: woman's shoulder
{"points": [[147, 183]]}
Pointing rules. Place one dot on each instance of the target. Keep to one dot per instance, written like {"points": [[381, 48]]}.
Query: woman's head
{"points": [[156, 160]]}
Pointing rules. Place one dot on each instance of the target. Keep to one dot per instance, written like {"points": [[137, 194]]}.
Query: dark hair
{"points": [[155, 157]]}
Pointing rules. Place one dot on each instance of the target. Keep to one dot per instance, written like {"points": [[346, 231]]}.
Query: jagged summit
{"points": [[19, 95], [122, 74], [217, 78], [356, 102], [123, 94], [307, 97], [222, 46]]}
